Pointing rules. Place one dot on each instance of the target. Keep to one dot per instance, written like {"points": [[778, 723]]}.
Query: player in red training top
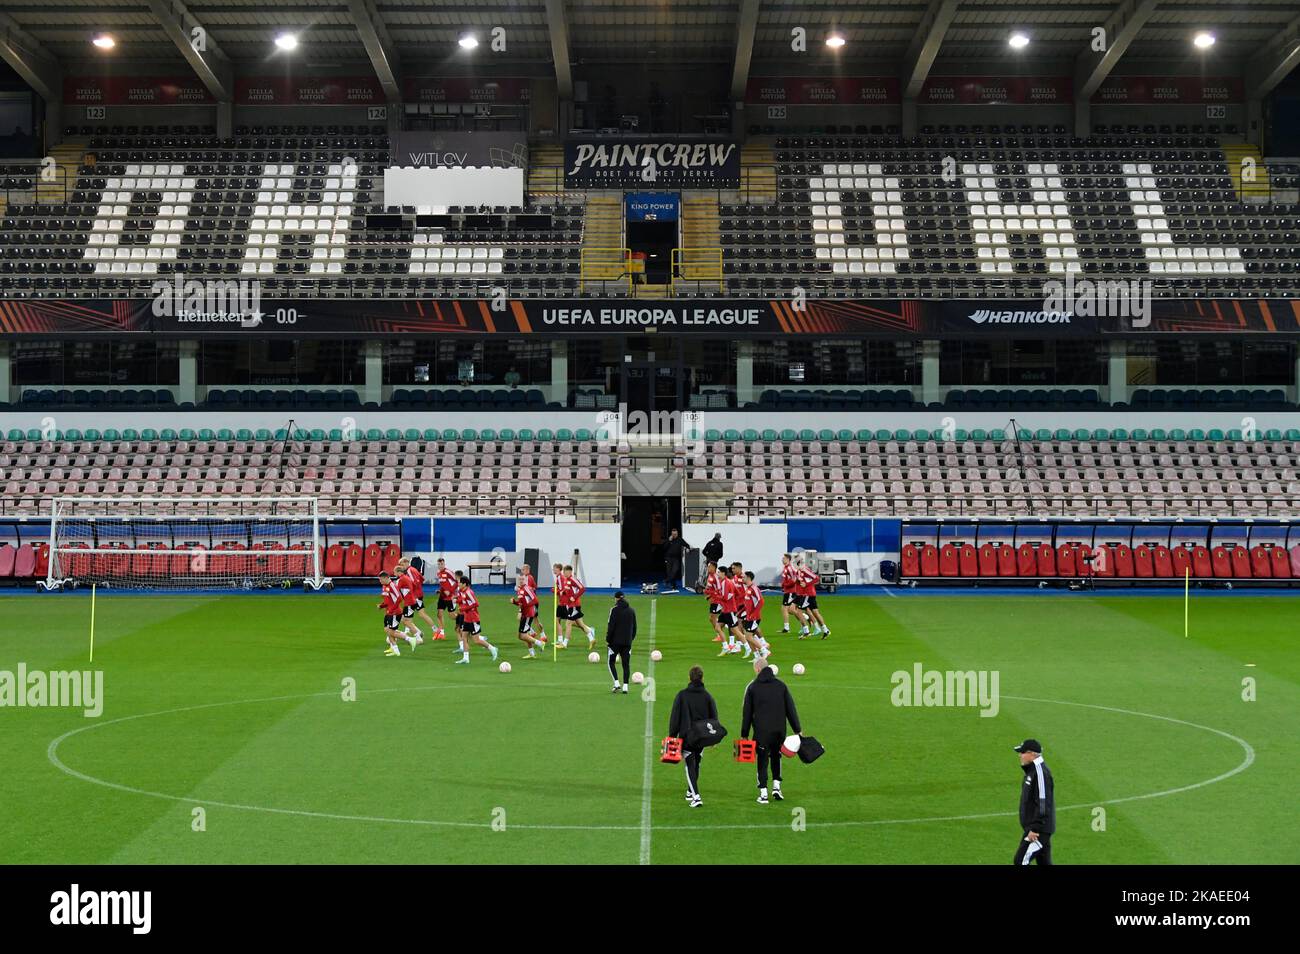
{"points": [[410, 575], [471, 627], [712, 580], [446, 596], [729, 605], [806, 594], [570, 610], [526, 599], [392, 602], [753, 599], [789, 601]]}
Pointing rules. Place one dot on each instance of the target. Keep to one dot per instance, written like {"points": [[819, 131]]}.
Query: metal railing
{"points": [[604, 267], [974, 507], [371, 507], [24, 181], [696, 266]]}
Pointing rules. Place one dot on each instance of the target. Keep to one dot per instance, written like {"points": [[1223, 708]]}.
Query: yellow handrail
{"points": [[697, 265], [605, 265]]}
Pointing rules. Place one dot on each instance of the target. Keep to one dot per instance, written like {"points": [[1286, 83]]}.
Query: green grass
{"points": [[244, 718]]}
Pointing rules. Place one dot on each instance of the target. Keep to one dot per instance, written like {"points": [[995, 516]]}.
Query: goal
{"points": [[185, 543]]}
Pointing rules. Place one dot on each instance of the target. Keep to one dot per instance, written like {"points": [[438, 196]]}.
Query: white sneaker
{"points": [[762, 796], [494, 653], [615, 689]]}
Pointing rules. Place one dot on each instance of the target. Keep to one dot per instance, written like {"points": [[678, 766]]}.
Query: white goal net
{"points": [[185, 542]]}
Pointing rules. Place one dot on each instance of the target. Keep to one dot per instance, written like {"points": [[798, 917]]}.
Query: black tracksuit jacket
{"points": [[1038, 799], [768, 707]]}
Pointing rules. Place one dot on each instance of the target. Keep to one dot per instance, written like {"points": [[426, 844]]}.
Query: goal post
{"points": [[185, 543]]}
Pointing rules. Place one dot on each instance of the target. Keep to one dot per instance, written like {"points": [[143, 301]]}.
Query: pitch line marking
{"points": [[52, 755], [647, 779]]}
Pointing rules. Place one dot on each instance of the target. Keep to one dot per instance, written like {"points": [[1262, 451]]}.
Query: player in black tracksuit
{"points": [[619, 633], [1037, 806], [693, 704], [768, 707]]}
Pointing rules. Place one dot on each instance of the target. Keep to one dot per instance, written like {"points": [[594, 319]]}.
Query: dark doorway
{"points": [[656, 241], [646, 522], [652, 375]]}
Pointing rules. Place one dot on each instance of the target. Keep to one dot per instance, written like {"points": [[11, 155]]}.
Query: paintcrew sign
{"points": [[699, 163]]}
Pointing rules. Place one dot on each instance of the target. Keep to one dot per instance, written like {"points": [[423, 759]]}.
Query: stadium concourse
{"points": [[908, 347]]}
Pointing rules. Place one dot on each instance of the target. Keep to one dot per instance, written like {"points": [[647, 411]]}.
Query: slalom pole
{"points": [[555, 621], [1187, 597], [92, 622]]}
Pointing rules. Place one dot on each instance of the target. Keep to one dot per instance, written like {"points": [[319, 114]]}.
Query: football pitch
{"points": [[228, 735]]}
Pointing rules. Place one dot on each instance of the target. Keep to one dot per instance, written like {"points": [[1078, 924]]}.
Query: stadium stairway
{"points": [[701, 252], [545, 170], [757, 172], [602, 254], [1256, 189], [67, 156]]}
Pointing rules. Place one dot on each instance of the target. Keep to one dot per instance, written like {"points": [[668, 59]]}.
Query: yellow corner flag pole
{"points": [[1187, 597], [92, 622], [555, 622]]}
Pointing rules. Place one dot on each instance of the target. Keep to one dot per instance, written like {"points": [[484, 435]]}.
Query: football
{"points": [[799, 669], [656, 656], [504, 667], [638, 678], [593, 657]]}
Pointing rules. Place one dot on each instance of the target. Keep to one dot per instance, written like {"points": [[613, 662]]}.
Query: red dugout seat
{"points": [[968, 560], [1261, 565], [948, 561], [1281, 561], [1143, 567], [8, 556], [930, 560], [1240, 563], [42, 561], [1182, 560], [1163, 562], [1006, 560], [354, 560], [1221, 560], [1026, 560], [988, 560], [1065, 560], [910, 561], [393, 553], [1124, 566], [1103, 561], [373, 563], [1046, 560], [1202, 564], [334, 560]]}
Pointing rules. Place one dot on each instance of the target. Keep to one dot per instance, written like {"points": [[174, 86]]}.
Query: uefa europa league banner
{"points": [[677, 161]]}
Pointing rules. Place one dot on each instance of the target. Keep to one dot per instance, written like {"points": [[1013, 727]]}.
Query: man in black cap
{"points": [[768, 707], [1037, 806], [619, 633]]}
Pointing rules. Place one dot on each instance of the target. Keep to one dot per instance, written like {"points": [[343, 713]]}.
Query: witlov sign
{"points": [[661, 162], [424, 149]]}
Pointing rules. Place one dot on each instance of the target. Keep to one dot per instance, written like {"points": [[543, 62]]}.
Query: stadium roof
{"points": [[1254, 38]]}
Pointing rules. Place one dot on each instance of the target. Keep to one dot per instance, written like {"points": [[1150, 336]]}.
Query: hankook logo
{"points": [[985, 316]]}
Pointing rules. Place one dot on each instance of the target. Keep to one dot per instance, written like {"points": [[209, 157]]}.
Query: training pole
{"points": [[92, 622], [555, 621], [1187, 597]]}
